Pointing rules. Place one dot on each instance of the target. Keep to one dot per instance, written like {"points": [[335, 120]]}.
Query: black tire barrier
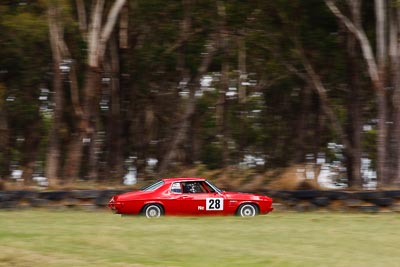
{"points": [[102, 201], [336, 195], [85, 194], [306, 194], [281, 194], [54, 195], [352, 202], [39, 203], [301, 200], [392, 193], [291, 202], [367, 195], [4, 196], [383, 202], [19, 195], [321, 201], [9, 204], [305, 207]]}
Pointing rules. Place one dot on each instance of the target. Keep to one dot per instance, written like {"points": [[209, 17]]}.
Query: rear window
{"points": [[152, 186]]}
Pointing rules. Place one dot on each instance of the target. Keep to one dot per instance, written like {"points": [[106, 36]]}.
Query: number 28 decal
{"points": [[214, 204]]}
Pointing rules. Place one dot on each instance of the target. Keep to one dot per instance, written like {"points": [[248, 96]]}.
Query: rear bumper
{"points": [[115, 206]]}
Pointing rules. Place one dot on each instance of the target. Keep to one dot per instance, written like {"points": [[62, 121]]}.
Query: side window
{"points": [[153, 186], [193, 187], [176, 188]]}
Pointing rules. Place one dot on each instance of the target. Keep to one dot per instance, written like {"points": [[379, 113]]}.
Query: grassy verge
{"points": [[43, 238]]}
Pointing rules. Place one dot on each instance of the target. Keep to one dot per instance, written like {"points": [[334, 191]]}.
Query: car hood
{"points": [[244, 196]]}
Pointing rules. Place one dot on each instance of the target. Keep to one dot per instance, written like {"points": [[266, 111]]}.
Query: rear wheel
{"points": [[247, 210], [153, 211]]}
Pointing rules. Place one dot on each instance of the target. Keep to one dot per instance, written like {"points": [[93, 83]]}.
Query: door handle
{"points": [[185, 197]]}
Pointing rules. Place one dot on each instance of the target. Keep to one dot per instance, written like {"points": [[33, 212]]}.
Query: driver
{"points": [[192, 188]]}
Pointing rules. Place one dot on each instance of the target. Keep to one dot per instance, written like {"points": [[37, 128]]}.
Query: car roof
{"points": [[180, 179]]}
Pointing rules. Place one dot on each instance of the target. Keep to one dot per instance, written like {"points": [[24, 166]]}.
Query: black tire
{"points": [[383, 202], [321, 201], [247, 210], [153, 211]]}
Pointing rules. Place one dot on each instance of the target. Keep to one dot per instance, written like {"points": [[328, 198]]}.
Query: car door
{"points": [[197, 200], [173, 203]]}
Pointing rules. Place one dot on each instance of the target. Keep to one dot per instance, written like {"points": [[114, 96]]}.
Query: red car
{"points": [[188, 196]]}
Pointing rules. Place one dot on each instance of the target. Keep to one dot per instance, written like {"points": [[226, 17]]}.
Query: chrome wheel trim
{"points": [[248, 210], [153, 211]]}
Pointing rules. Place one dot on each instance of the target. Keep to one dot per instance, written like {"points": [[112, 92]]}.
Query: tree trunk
{"points": [[381, 141], [221, 111], [380, 13], [85, 129], [314, 81], [28, 168], [326, 106], [115, 153], [123, 27], [222, 104], [97, 42], [53, 153], [72, 165], [242, 94], [94, 151], [80, 7], [98, 37], [180, 136], [31, 145], [301, 127], [377, 80], [395, 75], [4, 141], [182, 70], [354, 128], [91, 116], [354, 125], [381, 41]]}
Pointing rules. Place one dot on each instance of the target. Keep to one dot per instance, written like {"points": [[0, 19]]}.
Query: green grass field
{"points": [[77, 238]]}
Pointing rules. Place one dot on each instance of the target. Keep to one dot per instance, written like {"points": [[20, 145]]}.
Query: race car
{"points": [[188, 196]]}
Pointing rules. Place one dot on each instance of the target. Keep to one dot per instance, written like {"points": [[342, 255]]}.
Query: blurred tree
{"points": [[222, 103], [97, 38], [57, 48], [4, 136], [385, 58], [24, 59], [182, 82]]}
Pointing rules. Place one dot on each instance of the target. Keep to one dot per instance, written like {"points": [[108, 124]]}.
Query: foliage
{"points": [[282, 120]]}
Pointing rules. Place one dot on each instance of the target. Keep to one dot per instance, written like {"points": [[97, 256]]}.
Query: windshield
{"points": [[152, 186], [213, 188]]}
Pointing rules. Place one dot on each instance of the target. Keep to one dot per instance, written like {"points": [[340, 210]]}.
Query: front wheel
{"points": [[247, 210], [153, 211]]}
